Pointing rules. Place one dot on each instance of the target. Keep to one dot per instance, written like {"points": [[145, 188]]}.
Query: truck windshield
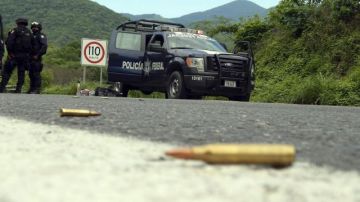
{"points": [[180, 40]]}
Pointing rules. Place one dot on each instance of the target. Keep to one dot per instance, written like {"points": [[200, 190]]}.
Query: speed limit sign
{"points": [[94, 52]]}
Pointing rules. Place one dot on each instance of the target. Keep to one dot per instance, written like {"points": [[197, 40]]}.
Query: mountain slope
{"points": [[63, 20], [233, 10], [145, 16]]}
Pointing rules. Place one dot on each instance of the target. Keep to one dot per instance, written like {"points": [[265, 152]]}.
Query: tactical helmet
{"points": [[22, 21], [36, 25]]}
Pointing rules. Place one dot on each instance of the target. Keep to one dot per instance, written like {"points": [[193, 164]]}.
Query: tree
{"points": [[346, 10]]}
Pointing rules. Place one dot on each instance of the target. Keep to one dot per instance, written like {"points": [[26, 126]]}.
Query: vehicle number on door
{"points": [[230, 84]]}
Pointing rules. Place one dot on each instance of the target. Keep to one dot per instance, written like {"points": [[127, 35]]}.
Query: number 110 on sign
{"points": [[94, 50]]}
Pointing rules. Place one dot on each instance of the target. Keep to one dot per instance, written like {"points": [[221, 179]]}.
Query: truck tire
{"points": [[175, 88]]}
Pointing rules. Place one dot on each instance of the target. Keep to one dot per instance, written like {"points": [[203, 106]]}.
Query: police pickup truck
{"points": [[166, 57]]}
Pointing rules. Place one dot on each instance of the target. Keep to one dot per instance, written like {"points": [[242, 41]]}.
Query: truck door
{"points": [[126, 60], [156, 60]]}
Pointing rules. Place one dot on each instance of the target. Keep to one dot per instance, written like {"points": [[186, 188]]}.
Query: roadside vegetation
{"points": [[307, 51]]}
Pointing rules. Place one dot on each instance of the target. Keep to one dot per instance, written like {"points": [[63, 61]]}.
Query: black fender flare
{"points": [[176, 64]]}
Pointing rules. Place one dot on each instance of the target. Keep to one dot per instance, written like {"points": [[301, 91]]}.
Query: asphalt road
{"points": [[323, 135]]}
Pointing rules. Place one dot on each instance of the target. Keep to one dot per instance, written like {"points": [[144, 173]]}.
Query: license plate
{"points": [[230, 84]]}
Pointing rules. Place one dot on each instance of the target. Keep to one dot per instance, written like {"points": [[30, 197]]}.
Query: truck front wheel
{"points": [[176, 87]]}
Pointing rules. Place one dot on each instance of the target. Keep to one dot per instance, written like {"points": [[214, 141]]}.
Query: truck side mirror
{"points": [[155, 47], [243, 48]]}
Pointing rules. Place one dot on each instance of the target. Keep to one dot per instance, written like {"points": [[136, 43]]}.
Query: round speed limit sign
{"points": [[94, 52]]}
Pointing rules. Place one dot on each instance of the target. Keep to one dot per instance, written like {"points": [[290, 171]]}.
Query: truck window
{"points": [[128, 41], [158, 39]]}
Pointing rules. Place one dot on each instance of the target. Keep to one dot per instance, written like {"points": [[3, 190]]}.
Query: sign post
{"points": [[94, 52]]}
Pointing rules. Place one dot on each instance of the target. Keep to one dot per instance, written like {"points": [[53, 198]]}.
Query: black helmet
{"points": [[22, 21], [37, 25]]}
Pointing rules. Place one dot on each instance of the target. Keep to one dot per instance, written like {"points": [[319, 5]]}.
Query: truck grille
{"points": [[229, 63], [231, 66], [212, 64]]}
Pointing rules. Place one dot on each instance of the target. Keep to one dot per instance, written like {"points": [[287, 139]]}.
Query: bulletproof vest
{"points": [[37, 42], [23, 40]]}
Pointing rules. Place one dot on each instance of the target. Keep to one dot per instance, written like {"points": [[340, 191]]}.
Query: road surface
{"points": [[119, 156]]}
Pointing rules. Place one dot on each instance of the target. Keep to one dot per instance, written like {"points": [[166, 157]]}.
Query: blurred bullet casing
{"points": [[78, 113], [276, 155]]}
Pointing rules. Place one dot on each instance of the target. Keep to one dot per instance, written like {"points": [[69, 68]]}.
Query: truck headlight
{"points": [[197, 63]]}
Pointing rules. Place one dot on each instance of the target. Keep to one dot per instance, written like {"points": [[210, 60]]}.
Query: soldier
{"points": [[36, 66], [19, 47]]}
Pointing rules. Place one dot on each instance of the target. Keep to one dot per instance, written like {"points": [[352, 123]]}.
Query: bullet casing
{"points": [[276, 155], [78, 113]]}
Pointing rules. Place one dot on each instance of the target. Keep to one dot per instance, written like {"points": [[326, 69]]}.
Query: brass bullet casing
{"points": [[254, 154], [78, 113]]}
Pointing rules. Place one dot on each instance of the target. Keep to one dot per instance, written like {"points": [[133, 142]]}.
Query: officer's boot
{"points": [[2, 88], [19, 86], [3, 83], [18, 89]]}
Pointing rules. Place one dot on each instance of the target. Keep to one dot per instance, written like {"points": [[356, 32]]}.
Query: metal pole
{"points": [[84, 75], [101, 76]]}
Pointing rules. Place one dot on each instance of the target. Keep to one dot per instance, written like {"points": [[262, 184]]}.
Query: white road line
{"points": [[40, 163]]}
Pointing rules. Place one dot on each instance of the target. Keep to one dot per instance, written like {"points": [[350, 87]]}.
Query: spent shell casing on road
{"points": [[78, 112], [275, 155]]}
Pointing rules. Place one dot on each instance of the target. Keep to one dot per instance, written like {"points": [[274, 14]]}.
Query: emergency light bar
{"points": [[148, 25], [186, 30]]}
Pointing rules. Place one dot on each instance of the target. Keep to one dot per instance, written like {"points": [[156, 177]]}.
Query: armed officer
{"points": [[19, 46], [36, 66]]}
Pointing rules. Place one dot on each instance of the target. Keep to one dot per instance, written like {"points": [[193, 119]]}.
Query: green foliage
{"points": [[310, 55], [252, 30], [139, 94], [292, 15], [60, 90], [70, 88], [64, 21], [346, 10]]}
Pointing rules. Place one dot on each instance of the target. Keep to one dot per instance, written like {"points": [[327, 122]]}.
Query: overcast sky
{"points": [[170, 8]]}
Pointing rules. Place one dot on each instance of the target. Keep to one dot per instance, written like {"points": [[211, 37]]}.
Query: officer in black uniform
{"points": [[19, 46], [2, 49], [36, 66]]}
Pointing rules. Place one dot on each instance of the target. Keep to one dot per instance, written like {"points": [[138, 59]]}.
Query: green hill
{"points": [[146, 16], [233, 10], [63, 20]]}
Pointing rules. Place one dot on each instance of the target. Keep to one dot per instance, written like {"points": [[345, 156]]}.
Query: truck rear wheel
{"points": [[175, 87]]}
